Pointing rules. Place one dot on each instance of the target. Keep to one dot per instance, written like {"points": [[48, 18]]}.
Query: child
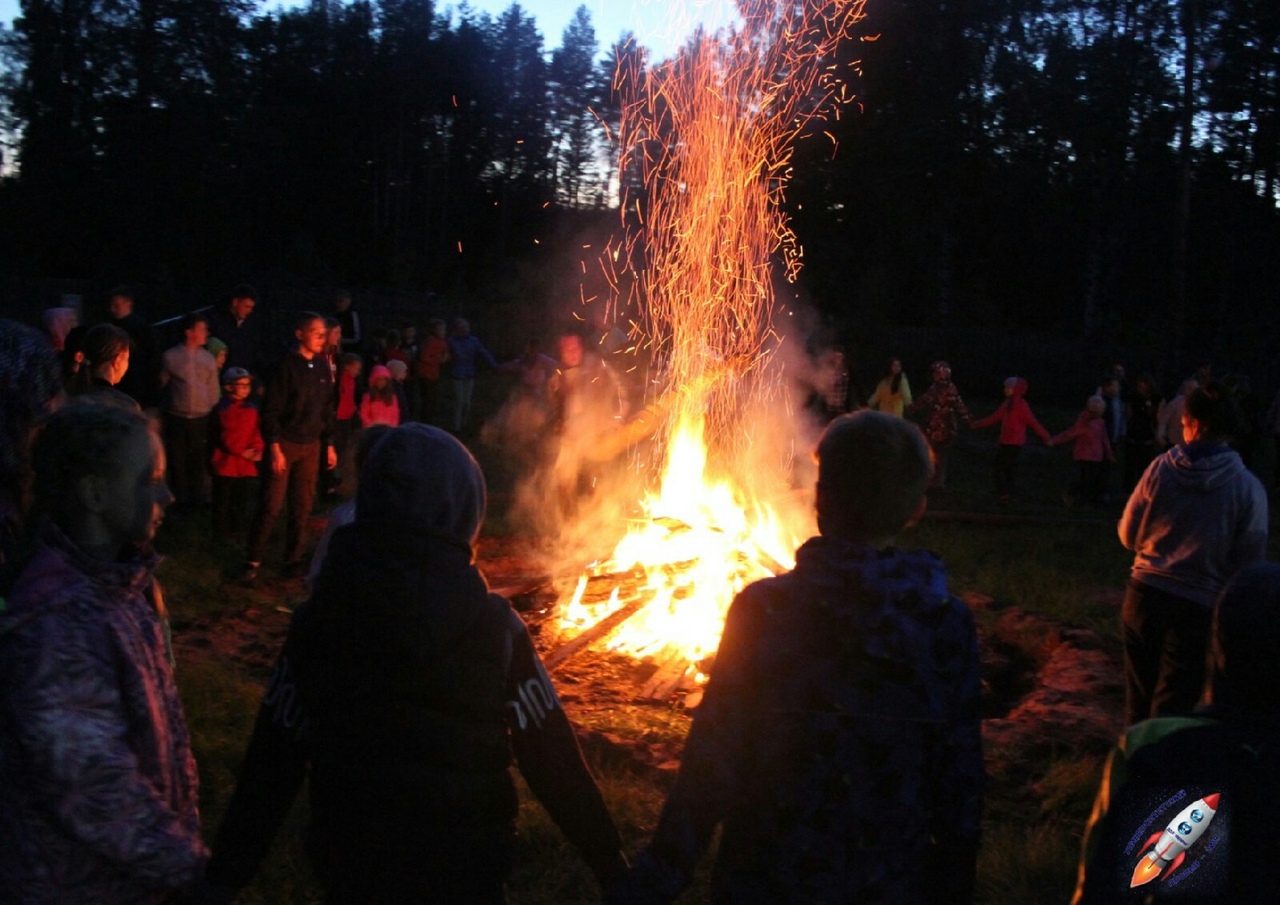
{"points": [[409, 689], [1014, 417], [399, 372], [1117, 426], [98, 785], [237, 450], [893, 392], [1092, 449], [944, 412], [432, 355], [395, 348], [346, 430], [218, 349], [843, 691], [380, 405]]}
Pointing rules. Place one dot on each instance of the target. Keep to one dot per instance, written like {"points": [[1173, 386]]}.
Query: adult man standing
{"points": [[238, 327], [465, 354], [348, 319], [189, 376], [141, 380], [297, 426]]}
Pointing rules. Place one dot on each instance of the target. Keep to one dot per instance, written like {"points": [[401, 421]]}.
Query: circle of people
{"points": [[406, 690]]}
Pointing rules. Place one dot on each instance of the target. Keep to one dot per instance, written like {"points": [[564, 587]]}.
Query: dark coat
{"points": [[838, 742], [98, 787]]}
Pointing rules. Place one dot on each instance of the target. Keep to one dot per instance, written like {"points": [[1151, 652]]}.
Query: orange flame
{"points": [[706, 141]]}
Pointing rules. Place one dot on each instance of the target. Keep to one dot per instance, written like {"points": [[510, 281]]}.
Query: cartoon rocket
{"points": [[1169, 847]]}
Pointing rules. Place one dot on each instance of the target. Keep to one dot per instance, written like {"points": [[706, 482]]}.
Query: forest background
{"points": [[1039, 186]]}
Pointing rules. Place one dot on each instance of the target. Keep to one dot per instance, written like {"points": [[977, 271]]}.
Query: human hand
{"points": [[278, 463], [331, 458]]}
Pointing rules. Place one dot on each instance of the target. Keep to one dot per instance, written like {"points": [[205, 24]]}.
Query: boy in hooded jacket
{"points": [[403, 690], [839, 737], [1014, 417]]}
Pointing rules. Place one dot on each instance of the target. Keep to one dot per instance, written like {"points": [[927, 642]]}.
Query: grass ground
{"points": [[1059, 562]]}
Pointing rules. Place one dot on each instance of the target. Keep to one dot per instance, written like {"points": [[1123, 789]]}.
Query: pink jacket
{"points": [[1090, 434], [375, 411]]}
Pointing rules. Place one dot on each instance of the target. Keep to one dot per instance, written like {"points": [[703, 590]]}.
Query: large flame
{"points": [[706, 141]]}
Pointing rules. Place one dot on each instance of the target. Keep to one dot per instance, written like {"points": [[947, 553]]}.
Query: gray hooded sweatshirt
{"points": [[1196, 518]]}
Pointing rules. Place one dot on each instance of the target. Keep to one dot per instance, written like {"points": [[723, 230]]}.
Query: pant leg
{"points": [[175, 446], [270, 503], [1006, 468], [1142, 631], [222, 497], [1092, 479], [941, 452], [303, 474], [243, 492], [198, 435], [1165, 644], [462, 389], [435, 387], [1182, 660]]}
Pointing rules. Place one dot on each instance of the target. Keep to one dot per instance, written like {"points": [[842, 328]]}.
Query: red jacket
{"points": [[237, 433], [1014, 417], [348, 397], [433, 353]]}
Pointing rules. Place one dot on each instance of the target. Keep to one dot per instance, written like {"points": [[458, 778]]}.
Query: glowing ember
{"points": [[706, 142]]}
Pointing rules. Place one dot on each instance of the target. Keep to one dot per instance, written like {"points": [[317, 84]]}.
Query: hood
{"points": [[1243, 670], [1202, 467], [908, 580], [420, 476]]}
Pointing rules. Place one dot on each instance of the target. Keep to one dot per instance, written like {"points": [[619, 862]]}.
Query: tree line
{"points": [[1106, 169]]}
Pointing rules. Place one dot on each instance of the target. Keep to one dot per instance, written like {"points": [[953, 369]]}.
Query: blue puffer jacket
{"points": [[838, 742], [98, 787]]}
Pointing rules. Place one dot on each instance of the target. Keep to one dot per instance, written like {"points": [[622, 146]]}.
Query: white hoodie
{"points": [[1196, 518]]}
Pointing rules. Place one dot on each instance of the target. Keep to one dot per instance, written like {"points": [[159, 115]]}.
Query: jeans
{"points": [[297, 484]]}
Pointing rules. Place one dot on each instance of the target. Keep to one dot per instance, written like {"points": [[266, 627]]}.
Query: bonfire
{"points": [[706, 142]]}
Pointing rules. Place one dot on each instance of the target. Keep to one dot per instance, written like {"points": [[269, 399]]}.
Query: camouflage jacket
{"points": [[944, 412], [838, 741], [98, 787]]}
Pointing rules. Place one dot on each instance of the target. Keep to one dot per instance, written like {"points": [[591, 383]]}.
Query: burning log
{"points": [[593, 634]]}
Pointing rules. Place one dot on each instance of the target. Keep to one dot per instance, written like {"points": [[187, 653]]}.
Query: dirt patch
{"points": [[1069, 699], [1047, 689], [250, 638]]}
